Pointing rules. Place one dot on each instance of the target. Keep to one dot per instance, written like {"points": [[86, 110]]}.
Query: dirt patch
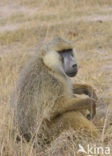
{"points": [[98, 18], [8, 10], [11, 27]]}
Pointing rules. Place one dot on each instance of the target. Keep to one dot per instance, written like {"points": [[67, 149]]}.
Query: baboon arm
{"points": [[84, 89], [75, 104], [78, 104]]}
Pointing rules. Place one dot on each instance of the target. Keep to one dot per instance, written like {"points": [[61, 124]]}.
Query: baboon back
{"points": [[37, 92]]}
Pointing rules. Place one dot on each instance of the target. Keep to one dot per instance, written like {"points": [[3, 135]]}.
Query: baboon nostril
{"points": [[74, 65]]}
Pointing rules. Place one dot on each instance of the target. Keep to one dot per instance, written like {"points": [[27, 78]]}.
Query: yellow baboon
{"points": [[44, 100]]}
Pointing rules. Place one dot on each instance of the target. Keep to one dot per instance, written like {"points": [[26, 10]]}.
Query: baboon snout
{"points": [[73, 69], [70, 65], [74, 65]]}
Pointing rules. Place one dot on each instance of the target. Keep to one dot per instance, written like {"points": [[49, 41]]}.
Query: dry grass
{"points": [[27, 24]]}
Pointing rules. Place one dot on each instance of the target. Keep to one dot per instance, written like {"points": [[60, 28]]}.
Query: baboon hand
{"points": [[84, 89], [92, 107]]}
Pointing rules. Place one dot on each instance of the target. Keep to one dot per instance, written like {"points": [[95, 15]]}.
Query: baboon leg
{"points": [[74, 120], [84, 89]]}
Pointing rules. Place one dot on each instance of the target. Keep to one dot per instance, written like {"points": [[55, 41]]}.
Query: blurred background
{"points": [[25, 25]]}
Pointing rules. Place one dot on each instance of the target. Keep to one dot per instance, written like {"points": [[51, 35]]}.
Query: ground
{"points": [[25, 25]]}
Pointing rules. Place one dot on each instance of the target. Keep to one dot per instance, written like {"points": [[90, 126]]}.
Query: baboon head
{"points": [[60, 57]]}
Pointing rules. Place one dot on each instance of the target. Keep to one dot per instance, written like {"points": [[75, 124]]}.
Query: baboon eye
{"points": [[61, 57]]}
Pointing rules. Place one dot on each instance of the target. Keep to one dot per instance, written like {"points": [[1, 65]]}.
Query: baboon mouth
{"points": [[72, 74]]}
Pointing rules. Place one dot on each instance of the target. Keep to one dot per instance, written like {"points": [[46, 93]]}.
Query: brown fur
{"points": [[44, 100]]}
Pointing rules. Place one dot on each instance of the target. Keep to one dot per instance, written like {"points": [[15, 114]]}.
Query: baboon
{"points": [[44, 100]]}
